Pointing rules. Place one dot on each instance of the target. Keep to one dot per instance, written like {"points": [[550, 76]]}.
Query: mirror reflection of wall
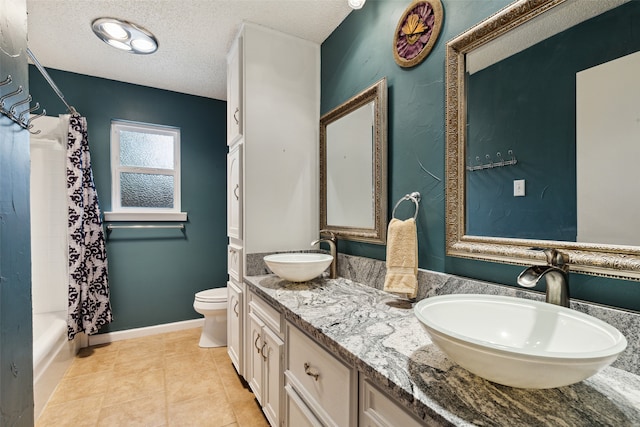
{"points": [[608, 152], [527, 103], [350, 169]]}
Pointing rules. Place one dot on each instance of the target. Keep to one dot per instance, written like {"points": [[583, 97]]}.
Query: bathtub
{"points": [[52, 355], [52, 352]]}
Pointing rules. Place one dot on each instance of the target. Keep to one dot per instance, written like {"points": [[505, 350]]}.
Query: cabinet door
{"points": [[272, 353], [234, 92], [234, 325], [255, 346], [234, 192]]}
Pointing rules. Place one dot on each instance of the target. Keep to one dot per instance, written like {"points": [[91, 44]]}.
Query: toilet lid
{"points": [[212, 295]]}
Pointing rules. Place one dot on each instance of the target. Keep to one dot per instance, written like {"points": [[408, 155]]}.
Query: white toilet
{"points": [[212, 304]]}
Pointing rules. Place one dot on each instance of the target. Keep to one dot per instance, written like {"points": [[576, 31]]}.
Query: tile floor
{"points": [[161, 380]]}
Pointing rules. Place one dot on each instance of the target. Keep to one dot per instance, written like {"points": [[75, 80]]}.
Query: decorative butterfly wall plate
{"points": [[417, 32]]}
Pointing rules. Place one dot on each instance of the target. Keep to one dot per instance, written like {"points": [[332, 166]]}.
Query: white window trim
{"points": [[120, 213]]}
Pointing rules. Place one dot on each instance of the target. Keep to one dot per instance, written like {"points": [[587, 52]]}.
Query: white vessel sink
{"points": [[298, 267], [518, 342]]}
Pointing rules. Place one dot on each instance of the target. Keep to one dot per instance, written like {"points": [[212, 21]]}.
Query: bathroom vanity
{"points": [[354, 355], [341, 352]]}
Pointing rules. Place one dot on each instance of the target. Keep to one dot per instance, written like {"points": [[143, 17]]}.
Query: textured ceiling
{"points": [[194, 36]]}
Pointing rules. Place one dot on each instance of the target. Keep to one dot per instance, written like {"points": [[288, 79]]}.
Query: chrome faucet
{"points": [[332, 241], [556, 273]]}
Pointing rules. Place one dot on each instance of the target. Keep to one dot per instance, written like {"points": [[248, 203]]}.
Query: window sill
{"points": [[145, 216]]}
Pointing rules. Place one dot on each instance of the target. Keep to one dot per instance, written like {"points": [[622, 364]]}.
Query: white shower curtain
{"points": [[89, 305]]}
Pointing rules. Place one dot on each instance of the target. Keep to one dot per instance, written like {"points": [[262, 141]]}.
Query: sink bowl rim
{"points": [[298, 258], [619, 341]]}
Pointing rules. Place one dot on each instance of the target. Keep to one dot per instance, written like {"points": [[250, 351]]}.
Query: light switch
{"points": [[518, 187]]}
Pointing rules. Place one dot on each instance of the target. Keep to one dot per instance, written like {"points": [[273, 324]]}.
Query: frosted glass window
{"points": [[145, 168], [146, 150], [145, 190]]}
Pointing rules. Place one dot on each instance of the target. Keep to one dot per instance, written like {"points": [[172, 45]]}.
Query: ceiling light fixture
{"points": [[125, 35], [356, 4]]}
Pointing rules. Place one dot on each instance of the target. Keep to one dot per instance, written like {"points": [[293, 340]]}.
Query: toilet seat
{"points": [[212, 295]]}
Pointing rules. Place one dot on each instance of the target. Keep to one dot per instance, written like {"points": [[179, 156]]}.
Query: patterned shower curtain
{"points": [[89, 306]]}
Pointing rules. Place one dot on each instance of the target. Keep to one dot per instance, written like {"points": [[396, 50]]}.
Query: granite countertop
{"points": [[380, 336]]}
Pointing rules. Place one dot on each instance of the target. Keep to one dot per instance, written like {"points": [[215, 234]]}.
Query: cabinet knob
{"points": [[308, 371], [235, 117]]}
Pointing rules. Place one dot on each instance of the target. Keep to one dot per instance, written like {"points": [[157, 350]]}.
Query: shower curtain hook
{"points": [[12, 109], [29, 125], [8, 95], [29, 111]]}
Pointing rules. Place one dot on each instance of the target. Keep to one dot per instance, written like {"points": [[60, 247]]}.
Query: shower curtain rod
{"points": [[49, 80]]}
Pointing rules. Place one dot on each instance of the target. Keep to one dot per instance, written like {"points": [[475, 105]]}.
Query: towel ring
{"points": [[414, 197]]}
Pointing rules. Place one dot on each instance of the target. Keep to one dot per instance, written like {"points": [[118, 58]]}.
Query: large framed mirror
{"points": [[543, 137], [353, 167]]}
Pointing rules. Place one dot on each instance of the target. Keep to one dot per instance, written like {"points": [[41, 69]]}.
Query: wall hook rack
{"points": [[11, 109], [490, 164]]}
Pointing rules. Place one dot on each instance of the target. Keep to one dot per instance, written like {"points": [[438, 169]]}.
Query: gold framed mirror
{"points": [[469, 207], [353, 167]]}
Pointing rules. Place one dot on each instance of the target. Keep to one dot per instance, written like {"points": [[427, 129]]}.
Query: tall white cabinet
{"points": [[273, 113]]}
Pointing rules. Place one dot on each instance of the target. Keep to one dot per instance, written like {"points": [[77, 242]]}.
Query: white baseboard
{"points": [[144, 332]]}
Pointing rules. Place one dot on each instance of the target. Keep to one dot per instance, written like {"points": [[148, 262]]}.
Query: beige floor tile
{"points": [[187, 345], [153, 381], [81, 386], [203, 411], [192, 384], [124, 388], [148, 411], [91, 363], [141, 347], [137, 342], [249, 414], [176, 364], [220, 354], [235, 387], [77, 413], [125, 364], [193, 333]]}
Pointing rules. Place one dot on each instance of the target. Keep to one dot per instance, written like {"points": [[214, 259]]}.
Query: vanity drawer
{"points": [[324, 382], [379, 410], [234, 262], [298, 415], [269, 315]]}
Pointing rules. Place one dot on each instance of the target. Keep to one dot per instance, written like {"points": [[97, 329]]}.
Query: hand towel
{"points": [[402, 258]]}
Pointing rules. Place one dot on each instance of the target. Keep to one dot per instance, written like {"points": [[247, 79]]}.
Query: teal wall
{"points": [[154, 274], [16, 358], [358, 54]]}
